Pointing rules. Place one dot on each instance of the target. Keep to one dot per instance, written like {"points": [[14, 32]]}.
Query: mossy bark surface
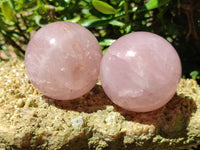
{"points": [[29, 120]]}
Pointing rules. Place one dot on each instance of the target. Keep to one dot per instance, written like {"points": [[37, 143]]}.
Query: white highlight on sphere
{"points": [[140, 71], [62, 60]]}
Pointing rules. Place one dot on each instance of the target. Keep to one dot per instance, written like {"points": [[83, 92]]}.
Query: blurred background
{"points": [[178, 21]]}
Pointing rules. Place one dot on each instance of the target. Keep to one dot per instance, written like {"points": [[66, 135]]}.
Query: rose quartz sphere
{"points": [[140, 72], [62, 60]]}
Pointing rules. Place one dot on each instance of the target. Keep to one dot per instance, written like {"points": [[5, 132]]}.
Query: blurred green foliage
{"points": [[195, 75], [176, 20]]}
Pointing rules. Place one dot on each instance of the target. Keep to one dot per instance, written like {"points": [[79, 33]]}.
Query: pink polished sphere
{"points": [[140, 71], [62, 60]]}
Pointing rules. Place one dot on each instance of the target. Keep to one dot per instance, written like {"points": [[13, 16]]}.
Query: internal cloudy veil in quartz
{"points": [[62, 60], [140, 71]]}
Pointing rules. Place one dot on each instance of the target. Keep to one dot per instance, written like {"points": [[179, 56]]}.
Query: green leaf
{"points": [[89, 22], [117, 23], [121, 4], [7, 11], [152, 4], [37, 20], [169, 39], [128, 28], [17, 52], [30, 29], [107, 42], [59, 8], [95, 22], [75, 19], [195, 75], [103, 52], [2, 25], [103, 7]]}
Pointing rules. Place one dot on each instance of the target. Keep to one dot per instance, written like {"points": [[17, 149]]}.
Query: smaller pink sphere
{"points": [[140, 72], [62, 60]]}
